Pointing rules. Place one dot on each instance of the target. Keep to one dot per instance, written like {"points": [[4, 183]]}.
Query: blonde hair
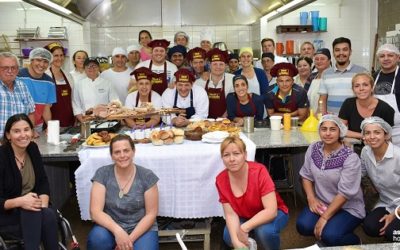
{"points": [[367, 75], [233, 140]]}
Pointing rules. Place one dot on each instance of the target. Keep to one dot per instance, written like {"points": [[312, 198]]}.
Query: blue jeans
{"points": [[267, 234], [100, 238], [338, 231]]}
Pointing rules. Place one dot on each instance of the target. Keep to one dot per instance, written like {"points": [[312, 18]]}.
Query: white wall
{"points": [[354, 19], [14, 17]]}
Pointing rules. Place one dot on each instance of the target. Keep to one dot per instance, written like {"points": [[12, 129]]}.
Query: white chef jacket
{"points": [[87, 94], [200, 102]]}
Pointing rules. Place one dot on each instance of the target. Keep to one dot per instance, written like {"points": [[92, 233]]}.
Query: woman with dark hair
{"points": [[24, 188], [123, 202], [303, 65], [251, 205], [62, 109], [241, 103], [331, 176], [144, 39], [78, 58]]}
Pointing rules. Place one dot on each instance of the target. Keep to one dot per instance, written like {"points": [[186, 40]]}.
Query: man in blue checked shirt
{"points": [[14, 95]]}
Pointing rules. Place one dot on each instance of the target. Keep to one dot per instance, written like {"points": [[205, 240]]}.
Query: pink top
{"points": [[144, 55]]}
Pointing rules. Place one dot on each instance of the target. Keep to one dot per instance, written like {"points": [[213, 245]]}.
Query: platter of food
{"points": [[222, 124], [99, 139], [167, 137]]}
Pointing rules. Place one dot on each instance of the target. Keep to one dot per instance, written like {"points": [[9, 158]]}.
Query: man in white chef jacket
{"points": [[185, 95], [268, 45], [92, 90], [119, 74]]}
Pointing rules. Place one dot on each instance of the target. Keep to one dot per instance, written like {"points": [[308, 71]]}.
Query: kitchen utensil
{"points": [[279, 48], [248, 125], [289, 47]]}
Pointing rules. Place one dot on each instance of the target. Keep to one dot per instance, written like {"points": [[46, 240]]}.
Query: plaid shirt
{"points": [[14, 102]]}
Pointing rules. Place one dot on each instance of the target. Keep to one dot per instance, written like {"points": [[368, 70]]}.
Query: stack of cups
{"points": [[315, 20], [303, 18], [53, 132]]}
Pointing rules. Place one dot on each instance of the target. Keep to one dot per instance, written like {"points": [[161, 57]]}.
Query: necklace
{"points": [[121, 190], [20, 163]]}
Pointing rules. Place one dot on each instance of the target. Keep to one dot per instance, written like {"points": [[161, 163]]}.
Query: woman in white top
{"points": [[78, 59], [380, 160], [143, 97]]}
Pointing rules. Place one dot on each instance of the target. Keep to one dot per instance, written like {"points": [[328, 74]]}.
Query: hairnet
{"points": [[389, 48], [378, 121], [337, 121], [41, 53]]}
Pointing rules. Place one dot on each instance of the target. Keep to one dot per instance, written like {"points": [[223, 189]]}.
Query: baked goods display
{"points": [[194, 134], [100, 138], [167, 137], [211, 126]]}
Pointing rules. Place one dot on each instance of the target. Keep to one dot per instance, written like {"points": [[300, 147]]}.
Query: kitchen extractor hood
{"points": [[165, 12]]}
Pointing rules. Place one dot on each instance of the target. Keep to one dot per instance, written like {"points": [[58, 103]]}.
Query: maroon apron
{"points": [[159, 83], [62, 109], [289, 107], [217, 100], [239, 112], [141, 121]]}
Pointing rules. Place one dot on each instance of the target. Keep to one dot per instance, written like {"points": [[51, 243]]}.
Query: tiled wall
{"points": [[104, 39], [354, 19]]}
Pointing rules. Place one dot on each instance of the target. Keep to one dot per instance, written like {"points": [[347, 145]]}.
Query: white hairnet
{"points": [[337, 121], [378, 121], [41, 53], [389, 48]]}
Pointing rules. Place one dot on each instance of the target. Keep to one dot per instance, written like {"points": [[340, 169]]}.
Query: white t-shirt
{"points": [[120, 81], [130, 101], [200, 102], [77, 76], [171, 69], [87, 94], [228, 83], [254, 86]]}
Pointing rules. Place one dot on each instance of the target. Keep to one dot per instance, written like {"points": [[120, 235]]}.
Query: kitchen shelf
{"points": [[295, 29]]}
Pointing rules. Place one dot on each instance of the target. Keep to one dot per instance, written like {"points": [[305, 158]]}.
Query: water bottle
{"points": [[252, 244]]}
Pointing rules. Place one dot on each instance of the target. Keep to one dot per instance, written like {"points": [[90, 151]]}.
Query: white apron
{"points": [[391, 100]]}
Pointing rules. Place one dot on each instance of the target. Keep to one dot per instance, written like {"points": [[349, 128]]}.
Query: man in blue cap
{"points": [[177, 55]]}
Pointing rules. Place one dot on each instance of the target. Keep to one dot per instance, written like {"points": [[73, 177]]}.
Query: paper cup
{"points": [[275, 122]]}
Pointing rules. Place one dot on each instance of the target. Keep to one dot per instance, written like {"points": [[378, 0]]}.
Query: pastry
{"points": [[178, 132], [168, 141], [178, 139], [157, 142]]}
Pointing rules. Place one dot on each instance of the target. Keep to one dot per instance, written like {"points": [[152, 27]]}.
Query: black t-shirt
{"points": [[349, 112], [384, 85]]}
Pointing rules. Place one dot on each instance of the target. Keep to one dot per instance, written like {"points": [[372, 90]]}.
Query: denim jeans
{"points": [[338, 231], [266, 234], [100, 238]]}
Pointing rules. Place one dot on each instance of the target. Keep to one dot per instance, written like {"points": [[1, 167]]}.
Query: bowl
{"points": [[26, 51]]}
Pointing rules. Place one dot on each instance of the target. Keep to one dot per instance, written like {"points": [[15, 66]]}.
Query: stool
{"points": [[286, 185]]}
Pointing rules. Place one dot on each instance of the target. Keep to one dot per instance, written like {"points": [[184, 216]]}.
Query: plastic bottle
{"points": [[287, 121], [320, 109]]}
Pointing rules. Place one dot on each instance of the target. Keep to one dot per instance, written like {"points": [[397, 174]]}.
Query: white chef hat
{"points": [[133, 47], [119, 51], [389, 48], [206, 35], [337, 121], [378, 121]]}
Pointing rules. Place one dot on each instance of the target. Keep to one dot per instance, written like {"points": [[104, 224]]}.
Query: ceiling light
{"points": [[55, 6], [289, 5], [10, 1]]}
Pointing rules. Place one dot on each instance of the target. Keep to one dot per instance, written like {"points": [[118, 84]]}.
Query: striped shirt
{"points": [[14, 102], [336, 85]]}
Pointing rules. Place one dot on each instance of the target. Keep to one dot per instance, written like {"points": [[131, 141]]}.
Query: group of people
{"points": [[198, 81]]}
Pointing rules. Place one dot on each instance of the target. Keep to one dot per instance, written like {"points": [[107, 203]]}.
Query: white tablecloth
{"points": [[186, 171]]}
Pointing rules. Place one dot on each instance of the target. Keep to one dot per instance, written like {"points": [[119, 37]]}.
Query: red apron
{"points": [[141, 121], [217, 101], [62, 109], [288, 107], [159, 82], [239, 112]]}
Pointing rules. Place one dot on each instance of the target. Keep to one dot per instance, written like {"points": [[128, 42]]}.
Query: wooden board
{"points": [[122, 116]]}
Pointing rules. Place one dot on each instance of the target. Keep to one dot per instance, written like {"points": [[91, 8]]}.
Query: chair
{"points": [[10, 242], [286, 184]]}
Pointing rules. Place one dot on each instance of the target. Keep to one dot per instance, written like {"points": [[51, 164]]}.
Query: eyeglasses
{"points": [[9, 68], [92, 66]]}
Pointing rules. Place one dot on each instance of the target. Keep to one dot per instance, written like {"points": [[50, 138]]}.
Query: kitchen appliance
{"points": [[220, 45]]}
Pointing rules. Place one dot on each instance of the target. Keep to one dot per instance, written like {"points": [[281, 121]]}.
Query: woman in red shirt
{"points": [[250, 203]]}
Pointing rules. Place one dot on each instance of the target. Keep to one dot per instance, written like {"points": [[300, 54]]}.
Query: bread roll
{"points": [[164, 135], [157, 142], [168, 141], [178, 139], [155, 135], [170, 133], [178, 132]]}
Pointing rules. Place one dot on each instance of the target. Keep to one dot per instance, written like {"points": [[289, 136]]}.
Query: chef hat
{"points": [[378, 121], [54, 45], [184, 75], [133, 47], [284, 69], [143, 73], [181, 33], [337, 121], [216, 54], [389, 48], [177, 49], [196, 53], [92, 60], [159, 43], [246, 49], [119, 51], [41, 53], [206, 35]]}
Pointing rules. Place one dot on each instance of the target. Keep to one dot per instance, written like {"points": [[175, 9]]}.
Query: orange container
{"points": [[287, 119], [290, 47], [279, 48]]}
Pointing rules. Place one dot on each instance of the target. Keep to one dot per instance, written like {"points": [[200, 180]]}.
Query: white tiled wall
{"points": [[354, 19]]}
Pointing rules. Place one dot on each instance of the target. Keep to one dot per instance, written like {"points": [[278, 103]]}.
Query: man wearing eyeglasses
{"points": [[14, 95]]}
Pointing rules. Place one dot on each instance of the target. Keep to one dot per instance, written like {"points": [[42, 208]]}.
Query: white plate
{"points": [[211, 141], [216, 136], [92, 146]]}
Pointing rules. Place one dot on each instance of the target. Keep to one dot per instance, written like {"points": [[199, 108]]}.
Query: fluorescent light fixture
{"points": [[55, 6], [289, 5], [10, 1], [271, 14]]}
